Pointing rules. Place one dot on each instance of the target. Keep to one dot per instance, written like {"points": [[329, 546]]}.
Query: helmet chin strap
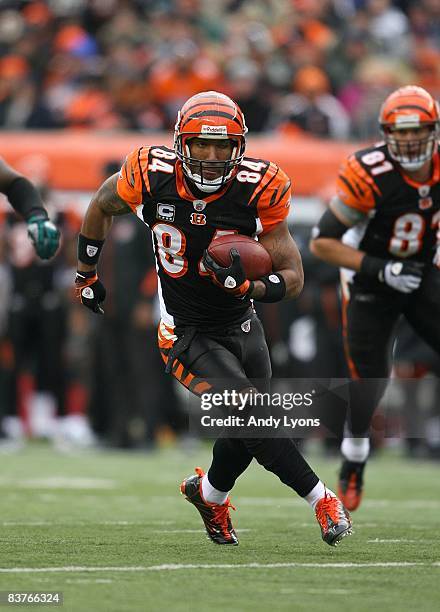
{"points": [[204, 185], [412, 165]]}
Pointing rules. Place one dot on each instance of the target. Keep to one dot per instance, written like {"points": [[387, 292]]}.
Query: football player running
{"points": [[381, 229], [26, 201], [204, 188]]}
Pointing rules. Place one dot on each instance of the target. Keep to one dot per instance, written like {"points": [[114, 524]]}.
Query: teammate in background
{"points": [[382, 229], [26, 201], [188, 196]]}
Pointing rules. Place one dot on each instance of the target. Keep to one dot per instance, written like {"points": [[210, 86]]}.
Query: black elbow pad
{"points": [[329, 226]]}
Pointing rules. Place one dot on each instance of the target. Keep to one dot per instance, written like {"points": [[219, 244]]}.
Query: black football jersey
{"points": [[402, 216], [183, 225]]}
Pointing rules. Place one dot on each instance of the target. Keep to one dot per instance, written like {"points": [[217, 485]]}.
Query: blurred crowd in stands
{"points": [[317, 66], [322, 66]]}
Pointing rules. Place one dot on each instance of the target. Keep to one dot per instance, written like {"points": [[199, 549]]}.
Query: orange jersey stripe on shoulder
{"points": [[130, 180], [274, 199], [355, 187], [264, 183], [143, 161]]}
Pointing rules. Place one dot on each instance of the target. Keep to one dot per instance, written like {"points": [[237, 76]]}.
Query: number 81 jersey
{"points": [[183, 225], [402, 216]]}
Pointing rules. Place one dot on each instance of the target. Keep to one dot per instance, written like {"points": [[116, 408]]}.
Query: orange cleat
{"points": [[334, 520], [215, 517]]}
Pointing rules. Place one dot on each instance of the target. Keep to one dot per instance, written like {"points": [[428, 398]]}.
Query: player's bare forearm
{"points": [[104, 205], [337, 253], [286, 260]]}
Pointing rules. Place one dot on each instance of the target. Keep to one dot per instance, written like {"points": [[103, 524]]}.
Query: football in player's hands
{"points": [[254, 258]]}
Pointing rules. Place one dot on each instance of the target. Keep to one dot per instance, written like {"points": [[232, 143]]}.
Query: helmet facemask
{"points": [[411, 154], [195, 169]]}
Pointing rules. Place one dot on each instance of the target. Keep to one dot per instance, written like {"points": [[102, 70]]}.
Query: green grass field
{"points": [[111, 531]]}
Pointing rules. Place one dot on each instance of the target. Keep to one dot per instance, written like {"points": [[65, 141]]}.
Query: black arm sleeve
{"points": [[329, 226], [24, 198]]}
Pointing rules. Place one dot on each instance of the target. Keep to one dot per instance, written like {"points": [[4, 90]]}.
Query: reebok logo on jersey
{"points": [[166, 212], [198, 219]]}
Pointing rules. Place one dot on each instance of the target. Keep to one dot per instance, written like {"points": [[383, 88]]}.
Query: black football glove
{"points": [[403, 276], [232, 279], [90, 290]]}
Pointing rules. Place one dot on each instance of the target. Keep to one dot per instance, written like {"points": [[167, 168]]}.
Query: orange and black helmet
{"points": [[210, 115], [410, 108]]}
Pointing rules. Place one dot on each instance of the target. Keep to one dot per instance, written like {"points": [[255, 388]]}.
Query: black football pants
{"points": [[234, 354], [369, 328]]}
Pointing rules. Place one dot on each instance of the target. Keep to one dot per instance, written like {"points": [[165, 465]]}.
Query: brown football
{"points": [[255, 259]]}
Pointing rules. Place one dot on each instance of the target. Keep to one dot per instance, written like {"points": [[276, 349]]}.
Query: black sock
{"points": [[281, 456], [230, 459]]}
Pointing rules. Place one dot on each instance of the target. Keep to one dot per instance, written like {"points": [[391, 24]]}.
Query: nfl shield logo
{"points": [[246, 326], [199, 205]]}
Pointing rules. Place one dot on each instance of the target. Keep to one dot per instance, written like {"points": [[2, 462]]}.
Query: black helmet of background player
{"points": [[210, 115], [410, 108]]}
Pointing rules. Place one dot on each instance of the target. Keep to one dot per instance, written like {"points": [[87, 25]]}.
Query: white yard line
{"points": [[73, 523], [89, 581], [392, 541], [191, 530], [68, 523], [58, 482], [213, 566], [318, 591]]}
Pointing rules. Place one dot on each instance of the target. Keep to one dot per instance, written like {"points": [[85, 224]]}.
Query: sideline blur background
{"points": [[82, 82]]}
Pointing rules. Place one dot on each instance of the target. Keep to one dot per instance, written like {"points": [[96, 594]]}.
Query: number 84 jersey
{"points": [[402, 216], [183, 225]]}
